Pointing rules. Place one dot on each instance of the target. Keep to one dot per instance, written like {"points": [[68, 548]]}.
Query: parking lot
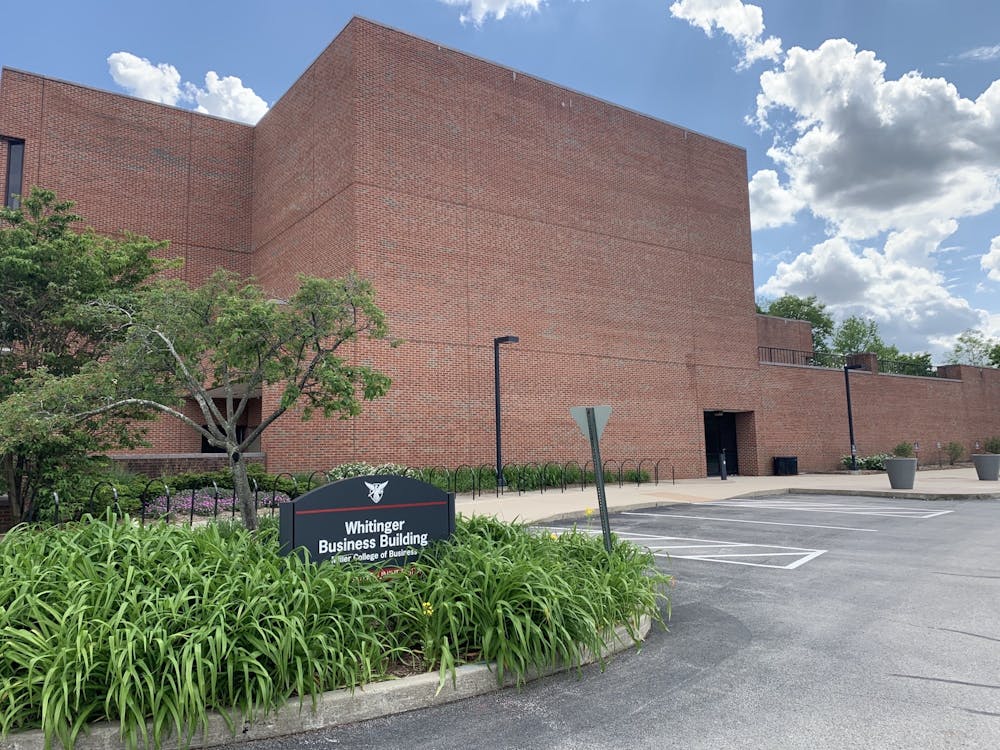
{"points": [[762, 533], [797, 622]]}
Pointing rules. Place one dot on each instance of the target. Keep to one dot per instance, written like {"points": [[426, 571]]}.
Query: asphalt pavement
{"points": [[798, 621], [812, 611]]}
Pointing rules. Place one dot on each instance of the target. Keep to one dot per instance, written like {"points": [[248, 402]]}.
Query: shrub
{"points": [[955, 452], [868, 463], [903, 450], [205, 502], [992, 445], [109, 620], [363, 469]]}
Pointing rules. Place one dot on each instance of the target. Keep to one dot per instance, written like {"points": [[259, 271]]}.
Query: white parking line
{"points": [[719, 519], [888, 511], [731, 553]]}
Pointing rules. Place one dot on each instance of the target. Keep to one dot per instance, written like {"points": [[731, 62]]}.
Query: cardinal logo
{"points": [[375, 491]]}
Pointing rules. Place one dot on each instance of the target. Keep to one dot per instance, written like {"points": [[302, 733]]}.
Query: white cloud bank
{"points": [[771, 205], [224, 97], [870, 155], [897, 285], [742, 22], [479, 10], [902, 160], [990, 262], [137, 75]]}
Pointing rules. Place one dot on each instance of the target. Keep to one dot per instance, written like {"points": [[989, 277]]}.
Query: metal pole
{"points": [[496, 397], [602, 499], [850, 419], [496, 401]]}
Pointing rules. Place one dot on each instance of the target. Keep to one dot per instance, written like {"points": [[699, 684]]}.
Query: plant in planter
{"points": [[988, 463], [901, 467]]}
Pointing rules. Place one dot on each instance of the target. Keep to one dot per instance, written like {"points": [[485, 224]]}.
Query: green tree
{"points": [[805, 308], [223, 344], [856, 334], [973, 347], [50, 276]]}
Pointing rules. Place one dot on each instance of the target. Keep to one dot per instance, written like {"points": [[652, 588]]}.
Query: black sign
{"points": [[380, 520]]}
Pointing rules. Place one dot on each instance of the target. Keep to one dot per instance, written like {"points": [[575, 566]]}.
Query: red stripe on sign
{"points": [[371, 507]]}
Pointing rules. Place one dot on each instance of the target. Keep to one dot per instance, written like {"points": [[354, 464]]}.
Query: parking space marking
{"points": [[720, 519], [888, 511], [712, 550]]}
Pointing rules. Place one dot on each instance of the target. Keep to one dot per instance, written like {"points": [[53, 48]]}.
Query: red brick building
{"points": [[483, 202]]}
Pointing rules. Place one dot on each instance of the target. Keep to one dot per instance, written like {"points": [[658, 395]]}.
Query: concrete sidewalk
{"points": [[939, 484]]}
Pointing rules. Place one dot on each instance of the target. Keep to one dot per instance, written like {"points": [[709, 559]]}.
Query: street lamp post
{"points": [[850, 416], [496, 392]]}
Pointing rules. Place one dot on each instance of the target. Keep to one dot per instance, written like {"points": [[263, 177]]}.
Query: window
{"points": [[15, 172]]}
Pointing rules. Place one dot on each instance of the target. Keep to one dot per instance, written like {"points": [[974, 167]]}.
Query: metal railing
{"points": [[158, 500], [830, 360], [907, 367], [774, 355]]}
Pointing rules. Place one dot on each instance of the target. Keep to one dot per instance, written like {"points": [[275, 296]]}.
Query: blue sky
{"points": [[872, 128]]}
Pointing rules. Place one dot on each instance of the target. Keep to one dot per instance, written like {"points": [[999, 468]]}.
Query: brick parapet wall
{"points": [[804, 412], [164, 464], [783, 333]]}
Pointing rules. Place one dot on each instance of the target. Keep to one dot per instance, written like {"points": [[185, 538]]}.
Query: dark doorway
{"points": [[720, 433]]}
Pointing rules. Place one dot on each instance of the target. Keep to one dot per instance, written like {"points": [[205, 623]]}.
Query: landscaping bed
{"points": [[155, 627]]}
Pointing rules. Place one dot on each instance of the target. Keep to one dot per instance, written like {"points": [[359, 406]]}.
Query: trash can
{"points": [[786, 466]]}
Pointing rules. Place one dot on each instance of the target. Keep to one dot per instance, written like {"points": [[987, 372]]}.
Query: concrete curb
{"points": [[650, 503], [338, 706], [895, 494]]}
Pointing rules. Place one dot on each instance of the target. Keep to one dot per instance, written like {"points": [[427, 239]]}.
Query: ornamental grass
{"points": [[156, 626]]}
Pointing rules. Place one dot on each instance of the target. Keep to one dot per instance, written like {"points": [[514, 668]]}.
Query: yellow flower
{"points": [[589, 512], [427, 609], [554, 535]]}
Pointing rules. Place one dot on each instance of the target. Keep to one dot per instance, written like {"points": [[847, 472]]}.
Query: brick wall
{"points": [[137, 166], [164, 464], [805, 412], [484, 202], [783, 333]]}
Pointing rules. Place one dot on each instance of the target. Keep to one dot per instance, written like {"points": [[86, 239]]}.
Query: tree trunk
{"points": [[15, 487], [241, 486]]}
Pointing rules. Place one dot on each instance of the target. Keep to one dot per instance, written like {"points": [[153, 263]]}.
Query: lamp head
{"points": [[506, 340]]}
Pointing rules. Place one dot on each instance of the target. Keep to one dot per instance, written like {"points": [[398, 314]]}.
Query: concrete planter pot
{"points": [[987, 466], [902, 472]]}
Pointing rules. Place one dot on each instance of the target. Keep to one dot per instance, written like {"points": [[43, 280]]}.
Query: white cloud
{"points": [[139, 77], [982, 54], [478, 10], [743, 23], [990, 262], [224, 97], [771, 205], [911, 303], [898, 160], [870, 154], [227, 97]]}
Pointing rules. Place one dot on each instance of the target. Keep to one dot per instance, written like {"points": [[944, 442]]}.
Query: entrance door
{"points": [[720, 433]]}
